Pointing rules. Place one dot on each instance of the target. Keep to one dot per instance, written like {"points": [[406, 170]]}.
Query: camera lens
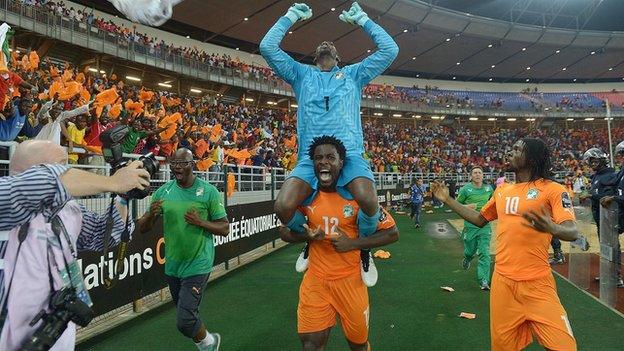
{"points": [[150, 164]]}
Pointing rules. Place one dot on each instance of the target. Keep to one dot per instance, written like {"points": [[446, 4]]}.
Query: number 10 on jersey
{"points": [[511, 205]]}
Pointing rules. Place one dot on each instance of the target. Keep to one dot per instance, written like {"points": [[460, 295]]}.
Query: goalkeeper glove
{"points": [[298, 12], [355, 15]]}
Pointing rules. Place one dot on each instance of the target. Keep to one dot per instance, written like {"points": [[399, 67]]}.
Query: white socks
{"points": [[208, 340]]}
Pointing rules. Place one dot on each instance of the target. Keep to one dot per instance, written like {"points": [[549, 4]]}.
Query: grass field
{"points": [[254, 308]]}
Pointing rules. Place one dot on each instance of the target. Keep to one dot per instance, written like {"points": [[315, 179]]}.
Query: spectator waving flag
{"points": [[5, 38]]}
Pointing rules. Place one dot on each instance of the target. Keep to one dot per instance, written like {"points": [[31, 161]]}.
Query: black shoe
{"points": [[465, 263], [365, 258], [558, 258]]}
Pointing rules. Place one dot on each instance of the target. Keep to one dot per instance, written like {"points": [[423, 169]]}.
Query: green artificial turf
{"points": [[254, 308]]}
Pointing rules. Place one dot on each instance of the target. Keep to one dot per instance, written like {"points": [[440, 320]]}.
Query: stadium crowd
{"points": [[427, 96], [219, 133], [149, 44]]}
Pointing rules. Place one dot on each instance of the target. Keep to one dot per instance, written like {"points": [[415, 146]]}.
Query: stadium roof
{"points": [[523, 40]]}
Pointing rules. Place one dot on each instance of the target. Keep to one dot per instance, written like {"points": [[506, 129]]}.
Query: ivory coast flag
{"points": [[5, 39]]}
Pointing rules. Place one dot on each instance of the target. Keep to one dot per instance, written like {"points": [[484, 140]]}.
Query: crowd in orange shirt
{"points": [[242, 134]]}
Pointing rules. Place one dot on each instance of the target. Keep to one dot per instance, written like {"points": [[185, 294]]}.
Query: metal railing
{"points": [[42, 21]]}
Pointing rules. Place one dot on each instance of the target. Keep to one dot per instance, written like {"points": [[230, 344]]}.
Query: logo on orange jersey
{"points": [[566, 202], [348, 211], [382, 216], [532, 194]]}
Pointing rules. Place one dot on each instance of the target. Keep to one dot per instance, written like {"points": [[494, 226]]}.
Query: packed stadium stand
{"points": [[220, 130]]}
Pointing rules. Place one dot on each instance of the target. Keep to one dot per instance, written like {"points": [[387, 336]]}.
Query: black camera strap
{"points": [[57, 227], [110, 282]]}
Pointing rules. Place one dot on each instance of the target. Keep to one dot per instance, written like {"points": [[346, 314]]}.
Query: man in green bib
{"points": [[192, 211], [475, 194]]}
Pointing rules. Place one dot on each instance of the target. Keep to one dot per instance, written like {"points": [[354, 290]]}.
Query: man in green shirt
{"points": [[475, 195], [192, 211], [136, 133]]}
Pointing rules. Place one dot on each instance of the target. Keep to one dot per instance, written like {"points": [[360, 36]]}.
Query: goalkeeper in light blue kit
{"points": [[329, 99]]}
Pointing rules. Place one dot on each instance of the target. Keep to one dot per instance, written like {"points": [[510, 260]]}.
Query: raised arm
{"points": [[284, 66], [387, 48], [37, 190], [441, 192], [44, 112], [84, 109]]}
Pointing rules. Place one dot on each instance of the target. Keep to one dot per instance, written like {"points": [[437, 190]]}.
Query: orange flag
{"points": [[205, 164], [231, 184], [85, 97], [216, 133], [145, 95], [135, 108], [115, 111], [55, 87], [34, 60], [291, 142], [70, 90], [106, 97], [67, 75], [169, 132]]}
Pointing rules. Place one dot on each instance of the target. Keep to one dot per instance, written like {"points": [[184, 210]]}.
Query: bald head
{"points": [[34, 152], [183, 154]]}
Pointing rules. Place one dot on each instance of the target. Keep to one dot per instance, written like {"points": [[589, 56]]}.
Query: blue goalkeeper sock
{"points": [[296, 222], [367, 225]]}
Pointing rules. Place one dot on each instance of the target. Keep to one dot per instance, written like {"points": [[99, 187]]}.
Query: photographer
{"points": [[603, 181], [619, 199], [40, 260]]}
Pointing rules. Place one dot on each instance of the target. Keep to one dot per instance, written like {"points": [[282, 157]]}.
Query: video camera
{"points": [[113, 154]]}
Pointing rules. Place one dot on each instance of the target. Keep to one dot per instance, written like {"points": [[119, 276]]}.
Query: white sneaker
{"points": [[368, 269], [302, 261], [581, 243], [211, 347]]}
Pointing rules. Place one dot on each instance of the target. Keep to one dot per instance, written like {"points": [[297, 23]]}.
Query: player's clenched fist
{"points": [[299, 11], [355, 15]]}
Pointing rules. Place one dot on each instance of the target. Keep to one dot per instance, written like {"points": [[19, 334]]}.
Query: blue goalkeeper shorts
{"points": [[355, 166]]}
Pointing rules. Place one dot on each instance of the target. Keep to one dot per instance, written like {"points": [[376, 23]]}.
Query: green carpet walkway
{"points": [[254, 308]]}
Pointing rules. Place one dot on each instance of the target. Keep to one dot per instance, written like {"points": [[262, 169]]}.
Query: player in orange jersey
{"points": [[523, 298], [332, 284]]}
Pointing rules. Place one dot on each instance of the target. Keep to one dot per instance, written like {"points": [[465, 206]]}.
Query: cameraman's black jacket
{"points": [[603, 183]]}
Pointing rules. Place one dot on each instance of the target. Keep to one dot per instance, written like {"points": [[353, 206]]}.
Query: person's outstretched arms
{"points": [[378, 62], [284, 66], [46, 188]]}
